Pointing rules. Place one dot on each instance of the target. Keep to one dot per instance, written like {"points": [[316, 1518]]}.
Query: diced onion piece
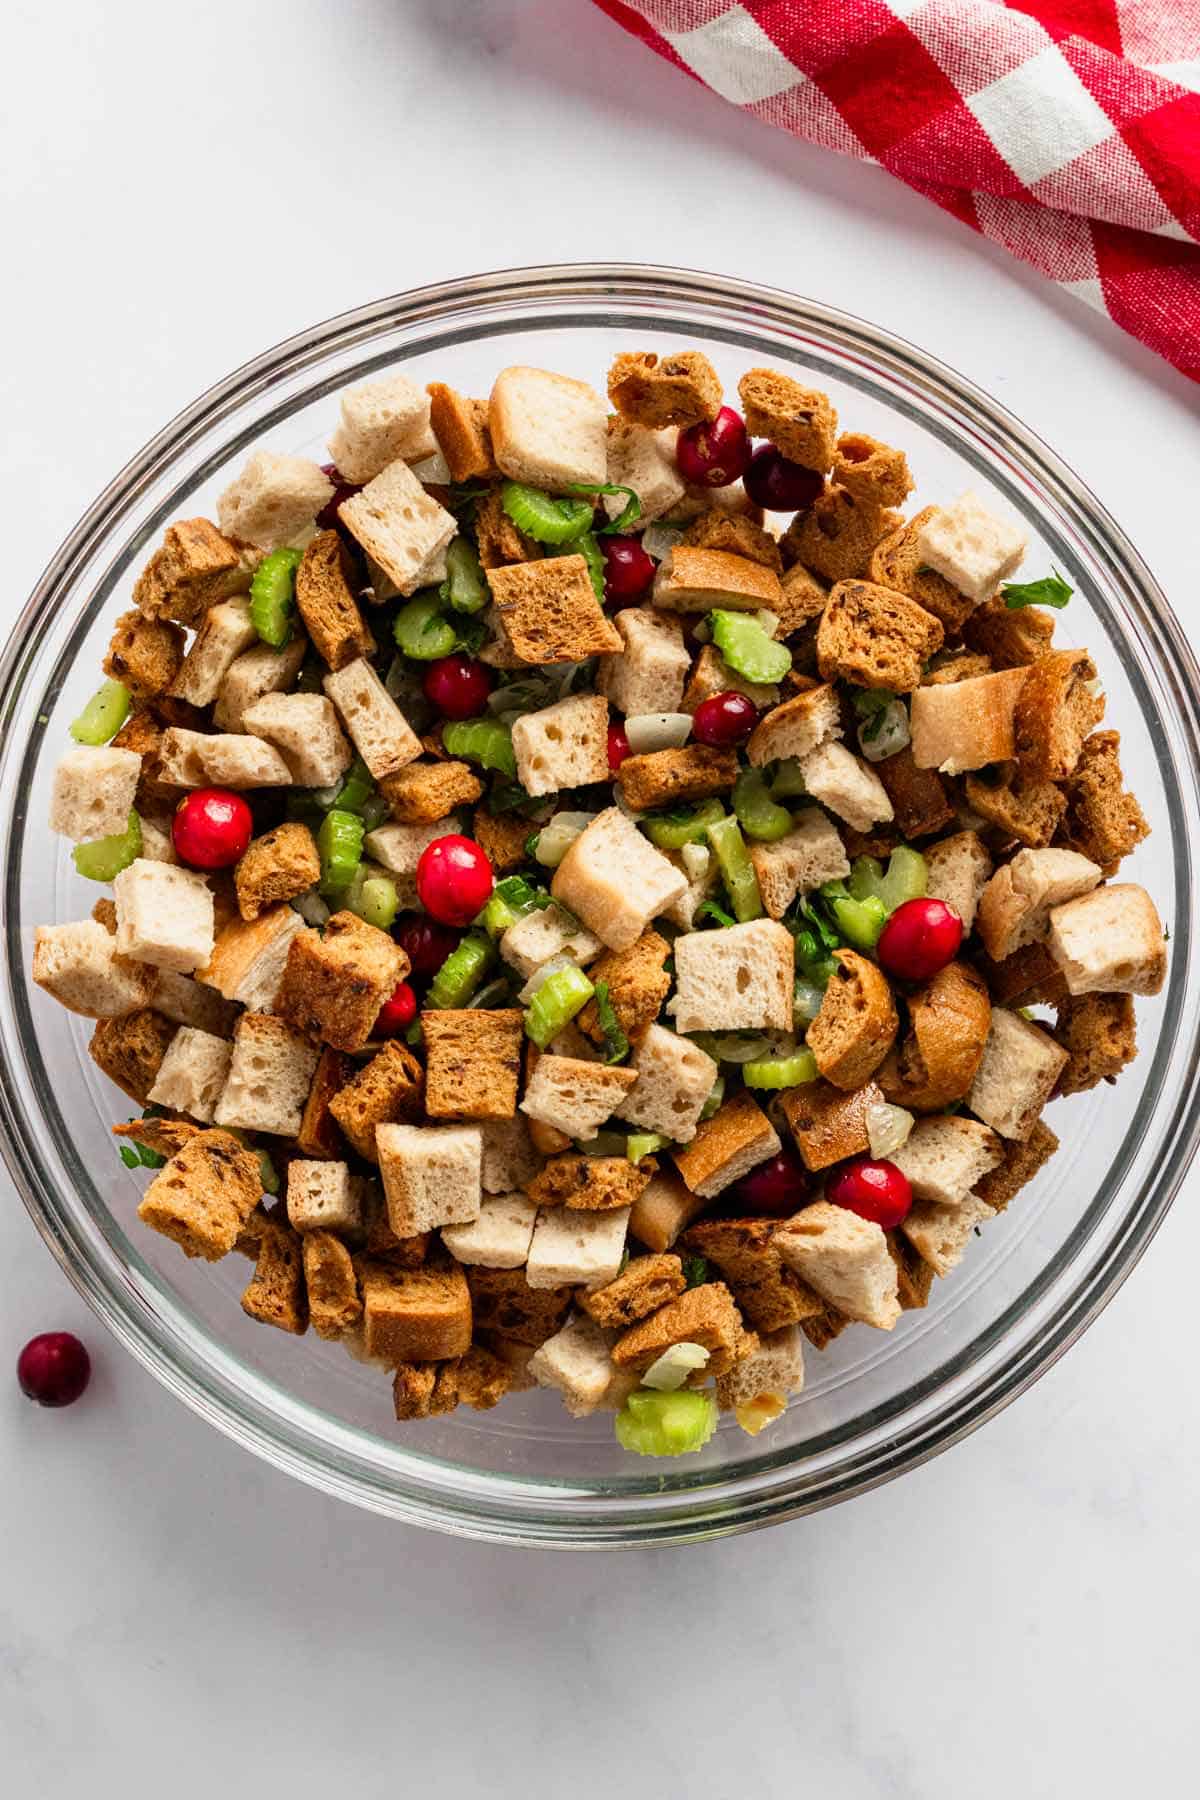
{"points": [[433, 468], [754, 1415], [657, 731], [673, 1367], [550, 967], [312, 908], [696, 859], [768, 620], [658, 541], [556, 838], [889, 732], [887, 1128], [744, 1047]]}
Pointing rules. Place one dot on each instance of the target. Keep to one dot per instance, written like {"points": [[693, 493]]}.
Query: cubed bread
{"points": [[509, 1311], [189, 1002], [615, 880], [193, 759], [547, 429], [921, 803], [940, 1234], [164, 915], [948, 1022], [834, 538], [965, 724], [399, 525], [326, 603], [574, 1096], [846, 785], [643, 460], [693, 580], [845, 1258], [797, 727], [768, 1293], [386, 1091], [875, 638], [659, 391], [1016, 904], [203, 1196], [496, 537], [1110, 941], [479, 1379], [1028, 977], [193, 569], [269, 1077], [130, 1050], [472, 1062], [637, 983], [705, 1315], [81, 967], [580, 1249], [895, 562], [802, 599], [461, 429], [249, 957], [1059, 703], [415, 1315], [1020, 1162], [262, 670], [509, 1159], [957, 870], [740, 978], [430, 1175], [1020, 1066], [1103, 819], [93, 792], [192, 1075], [674, 1080], [499, 1238], [675, 777], [144, 655], [280, 865], [648, 674], [547, 612], [827, 1124], [547, 931], [1099, 1034], [726, 1146], [870, 470], [427, 791], [944, 1158], [382, 735], [736, 532], [800, 421], [710, 675], [273, 500], [645, 1284], [334, 1306], [562, 746], [334, 985], [226, 631], [590, 1183], [1012, 638], [304, 729], [319, 1136], [322, 1197], [1029, 811], [576, 1361], [380, 421], [773, 1370], [812, 852], [857, 1022], [970, 547], [664, 1210]]}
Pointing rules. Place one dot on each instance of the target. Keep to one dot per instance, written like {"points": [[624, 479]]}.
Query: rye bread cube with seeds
{"points": [[645, 1284], [874, 638], [276, 1294], [1057, 706], [144, 655], [637, 983], [425, 792], [382, 735], [547, 612], [399, 525], [415, 1315], [727, 1146], [828, 1125], [1098, 1032], [204, 1195], [194, 568], [659, 391], [269, 1077], [381, 420], [334, 1306], [590, 1183], [93, 792], [705, 1315], [273, 500], [130, 1050], [326, 603], [334, 986], [800, 421], [769, 1294], [871, 470], [277, 866], [319, 1136], [562, 746], [547, 429], [665, 778], [386, 1091], [615, 881], [430, 1175], [472, 1062]]}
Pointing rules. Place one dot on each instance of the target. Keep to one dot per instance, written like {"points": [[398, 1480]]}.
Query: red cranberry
{"points": [[628, 570], [396, 1014], [724, 719], [327, 518], [778, 485], [618, 747], [776, 1187], [920, 938], [715, 453], [425, 943], [458, 685], [454, 879], [211, 828], [53, 1369], [878, 1191]]}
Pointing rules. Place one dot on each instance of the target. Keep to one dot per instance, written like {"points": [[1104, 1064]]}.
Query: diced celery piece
{"points": [[545, 520], [555, 1004], [273, 596], [103, 716], [379, 902], [483, 741], [656, 1424], [461, 973], [907, 874], [859, 921], [788, 782], [644, 1143], [757, 814], [781, 1071], [340, 842], [673, 834], [421, 630], [737, 871], [747, 648], [464, 589], [712, 1104], [103, 858]]}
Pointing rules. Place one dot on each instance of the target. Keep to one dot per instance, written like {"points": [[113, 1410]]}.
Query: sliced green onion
{"points": [[629, 513], [555, 1004], [483, 741], [685, 825], [737, 871], [378, 902], [781, 1071], [103, 716], [713, 1103], [273, 596], [1051, 590], [640, 1144], [461, 973], [615, 1039], [757, 814], [339, 842], [422, 631], [464, 589], [103, 858], [651, 1424], [543, 519], [747, 648]]}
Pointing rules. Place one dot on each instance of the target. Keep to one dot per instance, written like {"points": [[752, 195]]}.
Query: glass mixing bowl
{"points": [[875, 1403]]}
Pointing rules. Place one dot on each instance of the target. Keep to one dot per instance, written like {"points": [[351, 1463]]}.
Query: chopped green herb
{"points": [[1051, 590], [614, 1037], [630, 512], [709, 909], [129, 1156], [695, 1270]]}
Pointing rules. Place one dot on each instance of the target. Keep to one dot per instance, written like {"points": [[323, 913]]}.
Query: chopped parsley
{"points": [[1051, 590]]}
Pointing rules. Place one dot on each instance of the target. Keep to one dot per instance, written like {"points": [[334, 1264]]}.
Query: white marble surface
{"points": [[1020, 1616]]}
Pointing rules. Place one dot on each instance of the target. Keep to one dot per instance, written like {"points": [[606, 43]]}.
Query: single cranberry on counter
{"points": [[327, 518], [396, 1014], [715, 453], [628, 570], [53, 1369], [777, 1187], [425, 943], [458, 685], [920, 938], [878, 1191], [778, 485], [618, 747], [211, 828], [454, 879], [724, 719]]}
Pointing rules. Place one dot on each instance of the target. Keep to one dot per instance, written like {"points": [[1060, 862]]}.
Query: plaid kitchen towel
{"points": [[1066, 130]]}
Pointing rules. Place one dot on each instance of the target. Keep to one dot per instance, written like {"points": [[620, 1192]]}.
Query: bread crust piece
{"points": [[769, 1294], [591, 1183], [875, 637], [386, 1091], [797, 726], [318, 1135], [334, 1306], [645, 1285], [144, 655], [727, 1146], [1103, 820], [896, 563], [194, 568], [919, 799], [737, 534], [1099, 1033], [949, 1019], [336, 626], [277, 1294], [827, 1124], [1018, 1166], [966, 724], [1056, 708], [695, 580], [461, 429], [472, 1063], [670, 777], [204, 1195], [705, 1315], [857, 1023], [836, 536], [502, 839], [130, 1050], [497, 538], [549, 613], [506, 1306], [1013, 638]]}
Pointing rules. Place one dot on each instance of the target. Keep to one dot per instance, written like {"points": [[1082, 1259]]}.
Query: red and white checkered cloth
{"points": [[1066, 130]]}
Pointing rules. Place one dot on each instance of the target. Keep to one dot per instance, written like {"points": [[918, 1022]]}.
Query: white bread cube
{"points": [[509, 1159], [81, 967], [323, 1196], [958, 869], [381, 420], [304, 729], [945, 1157], [399, 848], [382, 735], [615, 880], [1110, 941], [576, 1249], [562, 746], [274, 500], [263, 670], [576, 1097], [164, 915], [544, 933], [187, 1001], [499, 1237], [193, 759], [157, 843], [847, 785], [193, 1073], [1020, 1066], [674, 1079], [576, 1361], [702, 883], [970, 547], [940, 1234], [430, 1175], [845, 1258], [649, 675], [1015, 906], [549, 430], [250, 955], [645, 461], [93, 792], [663, 1210], [811, 852], [401, 526], [740, 978], [269, 1077], [798, 727], [957, 726], [225, 633], [774, 1367]]}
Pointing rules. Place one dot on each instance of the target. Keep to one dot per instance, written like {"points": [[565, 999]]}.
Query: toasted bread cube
{"points": [[164, 915], [387, 1090], [846, 1259], [1019, 1163], [331, 1284], [83, 969], [577, 1362], [547, 612], [497, 538], [737, 979], [382, 735], [158, 845], [225, 633], [164, 1136], [799, 420], [590, 1183], [461, 429], [93, 792], [895, 562], [192, 1074], [204, 1195], [472, 1062], [269, 1077], [727, 1146], [803, 599], [415, 1315], [262, 670], [326, 603], [509, 1158], [871, 470], [574, 1096], [674, 1080], [1110, 941], [381, 420], [562, 746], [318, 1136], [1028, 977], [511, 1312], [836, 537], [710, 675], [615, 881], [658, 391], [965, 724], [1012, 639], [970, 547], [547, 429], [321, 1197], [797, 727], [334, 986], [1056, 708], [958, 869], [645, 461], [144, 655], [1099, 1033], [1103, 821], [277, 866], [304, 729], [857, 1023], [812, 852], [946, 1157], [430, 1175], [664, 778], [1015, 906], [940, 1234], [130, 1050], [665, 1210], [544, 933], [875, 638], [425, 792], [499, 1238], [703, 1315], [949, 1018], [194, 569], [920, 802], [1030, 811], [847, 785], [1017, 1075], [695, 580], [400, 526], [249, 957], [575, 1248], [648, 674], [769, 1294], [828, 1125], [273, 500], [193, 759], [737, 533], [772, 1371], [479, 1379], [644, 1285], [637, 982], [189, 1002]]}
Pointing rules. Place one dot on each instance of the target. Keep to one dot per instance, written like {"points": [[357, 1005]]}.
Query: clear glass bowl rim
{"points": [[535, 1514]]}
